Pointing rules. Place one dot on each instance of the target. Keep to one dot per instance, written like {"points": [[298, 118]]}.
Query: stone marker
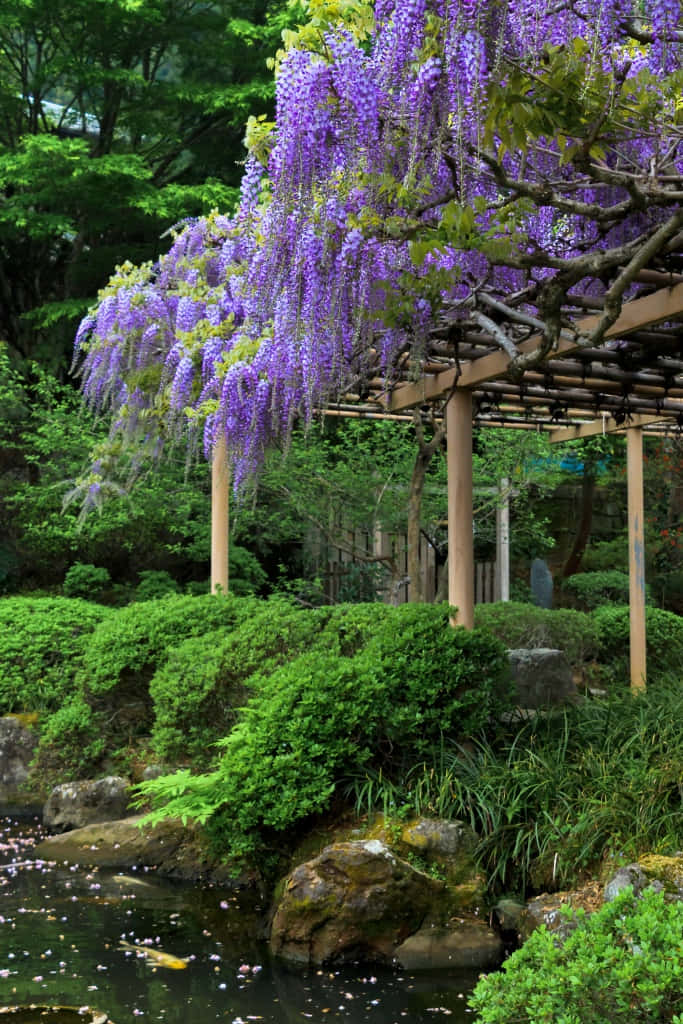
{"points": [[541, 583]]}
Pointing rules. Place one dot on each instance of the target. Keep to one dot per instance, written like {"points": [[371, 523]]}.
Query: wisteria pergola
{"points": [[461, 205], [631, 381]]}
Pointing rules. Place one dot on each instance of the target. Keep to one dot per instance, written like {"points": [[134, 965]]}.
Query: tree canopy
{"points": [[433, 165], [116, 120]]}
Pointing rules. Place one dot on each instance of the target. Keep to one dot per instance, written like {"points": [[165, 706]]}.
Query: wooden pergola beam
{"points": [[604, 425], [662, 305]]}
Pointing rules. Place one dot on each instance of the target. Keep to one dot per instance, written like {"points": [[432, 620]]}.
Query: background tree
{"points": [[116, 121]]}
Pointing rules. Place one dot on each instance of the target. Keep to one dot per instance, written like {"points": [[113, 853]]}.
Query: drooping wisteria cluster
{"points": [[395, 183]]}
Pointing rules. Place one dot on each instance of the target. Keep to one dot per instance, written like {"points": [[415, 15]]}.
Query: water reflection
{"points": [[66, 934]]}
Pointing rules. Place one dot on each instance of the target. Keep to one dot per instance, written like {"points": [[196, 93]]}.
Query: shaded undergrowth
{"points": [[552, 797]]}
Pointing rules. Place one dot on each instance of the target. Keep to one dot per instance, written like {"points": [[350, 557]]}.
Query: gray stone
{"points": [[356, 900], [631, 875], [17, 747], [508, 914], [75, 804], [542, 677], [549, 909], [171, 848], [541, 583], [463, 944], [546, 910]]}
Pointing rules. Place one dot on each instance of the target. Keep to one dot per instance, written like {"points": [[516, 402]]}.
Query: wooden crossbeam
{"points": [[662, 305], [605, 425]]}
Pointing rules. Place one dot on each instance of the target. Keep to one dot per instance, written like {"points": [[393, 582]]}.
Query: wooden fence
{"points": [[365, 562]]}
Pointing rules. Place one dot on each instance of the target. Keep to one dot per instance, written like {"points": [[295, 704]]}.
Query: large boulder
{"points": [[75, 804], [355, 900], [17, 747], [542, 677]]}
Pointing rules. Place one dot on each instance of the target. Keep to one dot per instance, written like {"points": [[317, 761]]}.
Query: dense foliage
{"points": [[198, 690], [526, 625], [431, 164], [664, 637], [622, 964], [109, 706]]}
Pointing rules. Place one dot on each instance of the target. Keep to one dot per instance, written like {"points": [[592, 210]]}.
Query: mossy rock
{"points": [[442, 849], [667, 870], [355, 900]]}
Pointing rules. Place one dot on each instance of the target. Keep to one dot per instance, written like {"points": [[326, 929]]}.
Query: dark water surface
{"points": [[61, 928]]}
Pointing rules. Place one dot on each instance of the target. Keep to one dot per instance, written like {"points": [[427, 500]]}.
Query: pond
{"points": [[66, 934]]}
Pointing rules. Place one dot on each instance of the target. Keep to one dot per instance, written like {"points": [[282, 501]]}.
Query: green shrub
{"points": [[131, 644], [527, 625], [86, 581], [71, 741], [441, 681], [348, 627], [247, 575], [606, 555], [620, 965], [664, 633], [595, 589], [155, 583], [197, 691], [317, 718], [42, 644], [121, 657]]}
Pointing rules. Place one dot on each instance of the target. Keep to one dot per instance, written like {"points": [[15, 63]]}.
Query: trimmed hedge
{"points": [[204, 681], [664, 631], [43, 642]]}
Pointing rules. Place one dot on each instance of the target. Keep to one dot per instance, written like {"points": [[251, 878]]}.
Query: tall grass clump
{"points": [[551, 799]]}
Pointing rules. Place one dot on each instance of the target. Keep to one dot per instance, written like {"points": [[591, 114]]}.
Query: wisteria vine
{"points": [[424, 154]]}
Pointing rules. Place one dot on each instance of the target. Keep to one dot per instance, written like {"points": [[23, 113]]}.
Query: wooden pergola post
{"points": [[460, 534], [636, 548], [503, 542], [220, 518]]}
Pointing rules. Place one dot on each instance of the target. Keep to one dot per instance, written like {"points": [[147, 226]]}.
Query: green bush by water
{"points": [[204, 681], [621, 965], [314, 720], [109, 703]]}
